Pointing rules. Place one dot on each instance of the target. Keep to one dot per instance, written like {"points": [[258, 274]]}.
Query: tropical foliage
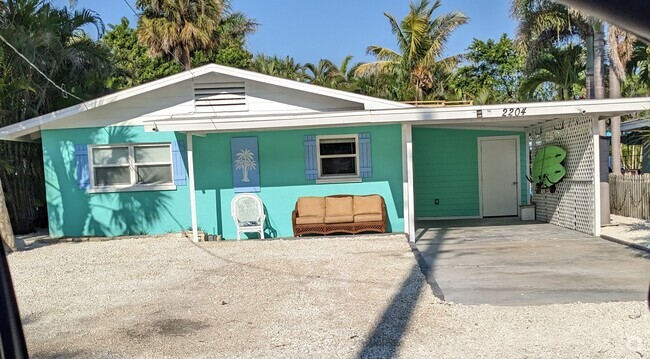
{"points": [[178, 28], [53, 44], [561, 68], [421, 40]]}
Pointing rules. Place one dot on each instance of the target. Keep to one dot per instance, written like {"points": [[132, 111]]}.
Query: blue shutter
{"points": [[365, 155], [81, 158], [311, 160], [178, 164]]}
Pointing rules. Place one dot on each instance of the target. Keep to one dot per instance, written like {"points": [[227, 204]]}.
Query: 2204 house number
{"points": [[517, 111]]}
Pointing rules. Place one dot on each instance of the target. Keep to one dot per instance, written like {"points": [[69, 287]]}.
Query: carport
{"points": [[504, 261], [473, 162]]}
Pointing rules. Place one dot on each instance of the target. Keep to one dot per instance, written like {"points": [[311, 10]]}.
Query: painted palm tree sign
{"points": [[548, 169], [245, 164]]}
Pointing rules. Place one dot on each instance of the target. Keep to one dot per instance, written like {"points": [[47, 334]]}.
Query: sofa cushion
{"points": [[309, 220], [311, 207], [367, 205], [358, 218], [338, 206], [339, 219]]}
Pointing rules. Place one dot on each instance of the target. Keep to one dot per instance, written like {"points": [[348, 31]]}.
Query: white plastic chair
{"points": [[248, 213]]}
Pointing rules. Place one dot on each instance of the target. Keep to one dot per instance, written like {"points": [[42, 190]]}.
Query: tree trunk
{"points": [[6, 232], [589, 70], [186, 60], [615, 92], [599, 56]]}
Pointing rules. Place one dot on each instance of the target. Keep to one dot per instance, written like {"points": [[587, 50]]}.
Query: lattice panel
{"points": [[573, 203]]}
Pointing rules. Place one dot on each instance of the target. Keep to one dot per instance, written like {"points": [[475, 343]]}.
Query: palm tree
{"points": [[640, 62], [323, 74], [563, 68], [544, 23], [286, 68], [421, 40], [621, 47], [177, 28]]}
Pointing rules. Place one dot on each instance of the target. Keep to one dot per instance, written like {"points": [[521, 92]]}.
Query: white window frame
{"points": [[133, 186], [356, 177]]}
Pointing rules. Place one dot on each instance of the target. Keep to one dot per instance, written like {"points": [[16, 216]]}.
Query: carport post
{"points": [[407, 181], [190, 170]]}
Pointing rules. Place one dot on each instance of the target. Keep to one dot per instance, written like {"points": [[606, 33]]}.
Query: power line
{"points": [[130, 7], [39, 71]]}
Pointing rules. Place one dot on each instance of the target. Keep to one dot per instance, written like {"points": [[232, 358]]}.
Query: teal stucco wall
{"points": [[445, 163], [282, 176], [74, 212]]}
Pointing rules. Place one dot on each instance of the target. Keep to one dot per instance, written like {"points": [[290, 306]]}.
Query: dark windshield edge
{"points": [[12, 338]]}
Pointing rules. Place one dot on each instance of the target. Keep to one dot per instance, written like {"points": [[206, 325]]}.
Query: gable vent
{"points": [[220, 97]]}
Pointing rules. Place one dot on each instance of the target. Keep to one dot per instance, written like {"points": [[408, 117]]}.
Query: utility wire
{"points": [[131, 7], [39, 71]]}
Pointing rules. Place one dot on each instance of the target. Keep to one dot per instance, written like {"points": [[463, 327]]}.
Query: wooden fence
{"points": [[630, 195]]}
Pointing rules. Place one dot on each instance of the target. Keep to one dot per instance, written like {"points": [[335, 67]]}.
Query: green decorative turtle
{"points": [[547, 168]]}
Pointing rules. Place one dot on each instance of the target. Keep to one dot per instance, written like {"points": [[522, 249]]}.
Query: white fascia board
{"points": [[418, 116], [564, 108]]}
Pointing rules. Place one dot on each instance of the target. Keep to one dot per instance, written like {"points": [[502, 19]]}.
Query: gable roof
{"points": [[23, 131]]}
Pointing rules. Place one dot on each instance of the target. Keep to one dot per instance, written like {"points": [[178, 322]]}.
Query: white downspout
{"points": [[190, 166]]}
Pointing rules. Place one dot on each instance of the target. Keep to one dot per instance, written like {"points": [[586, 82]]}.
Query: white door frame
{"points": [[480, 169]]}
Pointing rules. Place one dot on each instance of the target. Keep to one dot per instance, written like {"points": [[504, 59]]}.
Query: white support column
{"points": [[407, 181], [596, 137], [190, 169], [527, 140]]}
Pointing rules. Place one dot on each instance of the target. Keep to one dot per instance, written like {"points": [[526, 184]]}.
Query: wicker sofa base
{"points": [[372, 225], [331, 228]]}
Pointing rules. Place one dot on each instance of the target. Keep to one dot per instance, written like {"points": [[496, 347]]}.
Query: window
{"points": [[338, 156], [133, 167]]}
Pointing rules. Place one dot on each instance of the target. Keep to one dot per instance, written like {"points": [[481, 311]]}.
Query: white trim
{"points": [[596, 148], [190, 166], [536, 113], [339, 180], [156, 187], [446, 218], [480, 173], [343, 177]]}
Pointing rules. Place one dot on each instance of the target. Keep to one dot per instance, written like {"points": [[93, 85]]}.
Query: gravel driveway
{"points": [[326, 297]]}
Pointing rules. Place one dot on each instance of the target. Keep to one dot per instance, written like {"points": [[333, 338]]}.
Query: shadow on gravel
{"points": [[61, 354], [385, 339]]}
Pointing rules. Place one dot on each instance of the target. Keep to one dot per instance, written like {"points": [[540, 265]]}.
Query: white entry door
{"points": [[499, 182]]}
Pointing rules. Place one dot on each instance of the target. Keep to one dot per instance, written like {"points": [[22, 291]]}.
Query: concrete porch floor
{"points": [[504, 261]]}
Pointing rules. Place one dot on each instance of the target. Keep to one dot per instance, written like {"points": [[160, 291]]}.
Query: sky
{"points": [[310, 30]]}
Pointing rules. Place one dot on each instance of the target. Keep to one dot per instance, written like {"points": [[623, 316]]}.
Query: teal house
{"points": [[169, 155]]}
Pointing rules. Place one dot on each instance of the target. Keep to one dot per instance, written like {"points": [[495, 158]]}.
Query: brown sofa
{"points": [[339, 214]]}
